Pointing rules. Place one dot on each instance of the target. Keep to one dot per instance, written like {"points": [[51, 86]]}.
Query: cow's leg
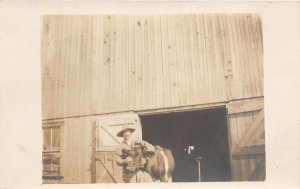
{"points": [[170, 179]]}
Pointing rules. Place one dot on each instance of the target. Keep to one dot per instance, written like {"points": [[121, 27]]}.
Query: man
{"points": [[122, 159]]}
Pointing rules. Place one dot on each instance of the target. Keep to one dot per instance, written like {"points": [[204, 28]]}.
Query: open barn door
{"points": [[105, 141], [247, 139]]}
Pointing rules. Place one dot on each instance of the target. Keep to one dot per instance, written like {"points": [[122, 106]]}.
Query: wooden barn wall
{"points": [[76, 150], [102, 64], [76, 146]]}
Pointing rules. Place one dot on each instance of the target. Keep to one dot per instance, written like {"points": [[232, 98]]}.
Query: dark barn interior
{"points": [[192, 134]]}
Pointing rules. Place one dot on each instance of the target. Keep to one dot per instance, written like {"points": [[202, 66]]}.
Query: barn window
{"points": [[51, 150], [51, 139]]}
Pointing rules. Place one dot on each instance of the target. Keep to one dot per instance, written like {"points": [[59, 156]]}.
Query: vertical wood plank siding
{"points": [[76, 150], [102, 64]]}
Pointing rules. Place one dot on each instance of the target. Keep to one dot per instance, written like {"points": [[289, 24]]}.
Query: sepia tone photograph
{"points": [[152, 98]]}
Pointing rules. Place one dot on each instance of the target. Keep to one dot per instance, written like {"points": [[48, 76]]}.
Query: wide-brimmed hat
{"points": [[124, 128]]}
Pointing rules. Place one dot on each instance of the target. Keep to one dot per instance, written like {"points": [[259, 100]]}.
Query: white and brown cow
{"points": [[159, 164]]}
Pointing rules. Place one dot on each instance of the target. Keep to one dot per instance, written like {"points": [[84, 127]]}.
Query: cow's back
{"points": [[161, 165]]}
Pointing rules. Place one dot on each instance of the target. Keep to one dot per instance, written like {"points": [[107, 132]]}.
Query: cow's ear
{"points": [[149, 153], [144, 150]]}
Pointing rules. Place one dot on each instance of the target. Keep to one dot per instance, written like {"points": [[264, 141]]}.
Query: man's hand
{"points": [[144, 161]]}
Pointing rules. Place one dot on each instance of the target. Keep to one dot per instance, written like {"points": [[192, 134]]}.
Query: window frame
{"points": [[52, 154], [51, 137]]}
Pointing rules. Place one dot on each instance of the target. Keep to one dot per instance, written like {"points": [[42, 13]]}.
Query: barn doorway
{"points": [[192, 134]]}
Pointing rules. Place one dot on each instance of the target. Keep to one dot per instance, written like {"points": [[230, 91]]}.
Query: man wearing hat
{"points": [[123, 159]]}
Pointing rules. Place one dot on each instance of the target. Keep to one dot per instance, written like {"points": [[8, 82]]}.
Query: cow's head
{"points": [[139, 155]]}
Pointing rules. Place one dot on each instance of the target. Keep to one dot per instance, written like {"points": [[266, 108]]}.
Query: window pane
{"points": [[55, 138], [51, 163], [47, 139]]}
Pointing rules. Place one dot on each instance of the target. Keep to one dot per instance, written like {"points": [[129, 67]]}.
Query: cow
{"points": [[159, 164]]}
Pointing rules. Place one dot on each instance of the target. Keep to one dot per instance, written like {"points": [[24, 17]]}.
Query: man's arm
{"points": [[118, 157], [120, 161]]}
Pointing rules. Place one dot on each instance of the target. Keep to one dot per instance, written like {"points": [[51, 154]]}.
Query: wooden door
{"points": [[105, 141], [247, 139]]}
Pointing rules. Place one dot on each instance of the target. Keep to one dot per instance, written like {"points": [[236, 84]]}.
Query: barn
{"points": [[192, 83]]}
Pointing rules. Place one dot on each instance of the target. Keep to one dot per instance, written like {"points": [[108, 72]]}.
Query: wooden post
{"points": [[198, 159], [93, 164]]}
